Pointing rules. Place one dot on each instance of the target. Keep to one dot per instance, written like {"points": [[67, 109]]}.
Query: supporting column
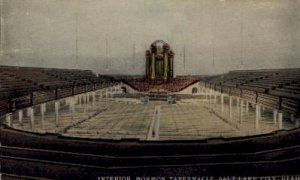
{"points": [[31, 115], [280, 120], [56, 112], [257, 116], [20, 115], [8, 119], [72, 104], [247, 107], [237, 102], [230, 106], [42, 106], [106, 93], [275, 114], [241, 111], [222, 102], [93, 97]]}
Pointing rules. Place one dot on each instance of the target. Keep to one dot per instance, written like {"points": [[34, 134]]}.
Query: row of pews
{"points": [[277, 88], [26, 86]]}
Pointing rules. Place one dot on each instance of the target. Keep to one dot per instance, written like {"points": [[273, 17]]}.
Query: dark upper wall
{"points": [[235, 34]]}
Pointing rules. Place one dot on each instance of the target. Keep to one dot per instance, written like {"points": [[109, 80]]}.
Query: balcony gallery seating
{"points": [[19, 85], [278, 88]]}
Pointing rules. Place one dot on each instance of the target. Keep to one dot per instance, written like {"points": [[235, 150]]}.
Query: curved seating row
{"points": [[276, 88], [25, 86]]}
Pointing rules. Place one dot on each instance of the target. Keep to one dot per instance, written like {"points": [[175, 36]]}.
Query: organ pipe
{"points": [[165, 66], [152, 65]]}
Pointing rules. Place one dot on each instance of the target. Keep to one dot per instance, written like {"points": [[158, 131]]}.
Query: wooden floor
{"points": [[119, 120], [192, 121], [109, 119]]}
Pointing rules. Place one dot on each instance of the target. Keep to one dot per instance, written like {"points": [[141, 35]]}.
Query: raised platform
{"points": [[160, 85]]}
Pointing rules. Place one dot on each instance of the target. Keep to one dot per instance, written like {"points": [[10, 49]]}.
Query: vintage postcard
{"points": [[150, 90]]}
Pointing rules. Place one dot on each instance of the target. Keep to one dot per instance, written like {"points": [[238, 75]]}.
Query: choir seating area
{"points": [[172, 85]]}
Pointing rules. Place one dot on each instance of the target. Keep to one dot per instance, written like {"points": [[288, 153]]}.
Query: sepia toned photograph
{"points": [[150, 90]]}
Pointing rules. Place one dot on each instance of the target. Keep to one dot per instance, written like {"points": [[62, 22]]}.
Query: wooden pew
{"points": [[268, 100], [291, 106]]}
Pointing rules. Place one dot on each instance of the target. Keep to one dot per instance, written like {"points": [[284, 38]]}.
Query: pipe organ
{"points": [[159, 61]]}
